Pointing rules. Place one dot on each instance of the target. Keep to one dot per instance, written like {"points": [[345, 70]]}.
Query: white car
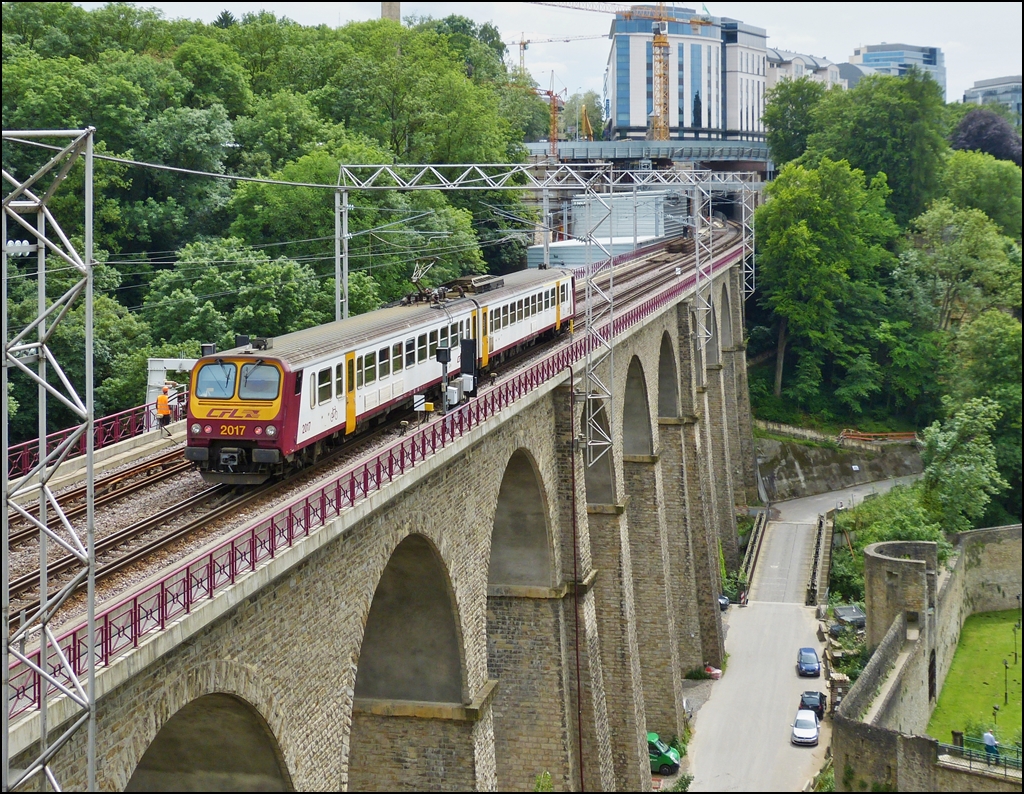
{"points": [[805, 728]]}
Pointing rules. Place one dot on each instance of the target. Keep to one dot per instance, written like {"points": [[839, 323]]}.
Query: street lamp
{"points": [[1016, 628], [995, 715], [1006, 690]]}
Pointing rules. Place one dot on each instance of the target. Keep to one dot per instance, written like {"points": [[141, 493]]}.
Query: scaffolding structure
{"points": [[27, 350]]}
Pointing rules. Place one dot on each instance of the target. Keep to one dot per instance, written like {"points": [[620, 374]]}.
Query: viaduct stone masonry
{"points": [[502, 611], [915, 611]]}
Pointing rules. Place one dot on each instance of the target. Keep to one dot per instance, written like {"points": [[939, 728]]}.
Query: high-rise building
{"points": [[896, 59], [997, 91], [716, 76]]}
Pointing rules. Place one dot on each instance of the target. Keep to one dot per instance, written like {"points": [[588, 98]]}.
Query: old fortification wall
{"points": [[790, 470], [875, 738]]}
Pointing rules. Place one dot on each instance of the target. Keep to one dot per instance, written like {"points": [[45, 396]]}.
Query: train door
{"points": [[350, 393], [485, 336], [558, 306]]}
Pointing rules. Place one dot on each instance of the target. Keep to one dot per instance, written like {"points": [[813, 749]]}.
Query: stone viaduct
{"points": [[501, 611]]}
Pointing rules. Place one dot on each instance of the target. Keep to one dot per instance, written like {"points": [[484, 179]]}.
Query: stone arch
{"points": [[216, 742], [713, 352], [725, 310], [411, 648], [637, 436], [668, 379], [599, 478], [520, 538]]}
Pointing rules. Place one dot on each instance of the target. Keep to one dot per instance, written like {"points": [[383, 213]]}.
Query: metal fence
{"points": [[21, 458], [124, 625], [975, 756]]}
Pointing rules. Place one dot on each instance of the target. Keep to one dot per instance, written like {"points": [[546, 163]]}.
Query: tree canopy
{"points": [[788, 117]]}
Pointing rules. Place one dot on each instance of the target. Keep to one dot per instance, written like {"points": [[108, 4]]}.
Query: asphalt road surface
{"points": [[741, 735]]}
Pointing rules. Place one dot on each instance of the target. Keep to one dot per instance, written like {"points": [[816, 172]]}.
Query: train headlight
{"points": [[258, 431], [271, 430], [208, 429], [196, 429]]}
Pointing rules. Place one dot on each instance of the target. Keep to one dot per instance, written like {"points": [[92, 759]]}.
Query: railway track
{"points": [[108, 490], [632, 284]]}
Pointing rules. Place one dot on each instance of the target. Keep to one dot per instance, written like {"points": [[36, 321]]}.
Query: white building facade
{"points": [[785, 65]]}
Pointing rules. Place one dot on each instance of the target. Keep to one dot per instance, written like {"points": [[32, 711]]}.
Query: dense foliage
{"points": [[890, 276], [190, 258]]}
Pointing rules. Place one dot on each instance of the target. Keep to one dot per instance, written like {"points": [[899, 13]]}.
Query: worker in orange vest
{"points": [[163, 411]]}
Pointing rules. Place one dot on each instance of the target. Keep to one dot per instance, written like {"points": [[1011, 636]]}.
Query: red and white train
{"points": [[258, 410]]}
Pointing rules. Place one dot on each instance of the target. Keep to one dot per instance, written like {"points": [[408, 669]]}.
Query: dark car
{"points": [[814, 701], [723, 602], [847, 617], [807, 662]]}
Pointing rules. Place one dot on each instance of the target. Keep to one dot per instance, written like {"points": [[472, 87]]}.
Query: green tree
{"points": [[979, 180], [280, 128], [571, 120], [889, 125], [222, 287], [987, 363], [787, 117], [822, 238], [216, 73], [964, 261], [960, 470]]}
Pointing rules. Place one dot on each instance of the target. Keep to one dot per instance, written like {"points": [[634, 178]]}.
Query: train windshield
{"points": [[260, 381], [216, 381]]}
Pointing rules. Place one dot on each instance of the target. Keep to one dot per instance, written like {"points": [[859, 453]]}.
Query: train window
{"points": [[506, 311], [519, 311], [453, 335], [533, 305], [359, 372], [383, 363], [432, 349], [298, 382], [547, 299], [421, 347], [259, 381], [216, 381], [312, 390], [369, 368], [323, 386], [495, 320], [410, 352], [339, 381], [396, 357], [351, 376], [444, 336]]}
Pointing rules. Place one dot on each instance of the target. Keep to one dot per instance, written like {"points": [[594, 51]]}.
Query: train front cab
{"points": [[235, 419]]}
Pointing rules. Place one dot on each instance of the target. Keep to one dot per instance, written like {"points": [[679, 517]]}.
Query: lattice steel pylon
{"points": [[748, 196], [67, 672]]}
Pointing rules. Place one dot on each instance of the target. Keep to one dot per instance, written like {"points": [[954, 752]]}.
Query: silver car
{"points": [[805, 728]]}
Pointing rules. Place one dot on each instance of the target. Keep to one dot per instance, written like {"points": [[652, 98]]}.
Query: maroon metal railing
{"points": [[21, 458], [122, 626]]}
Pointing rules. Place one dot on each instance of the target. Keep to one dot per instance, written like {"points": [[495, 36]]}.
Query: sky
{"points": [[979, 40]]}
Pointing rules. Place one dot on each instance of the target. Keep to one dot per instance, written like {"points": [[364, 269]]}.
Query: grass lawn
{"points": [[975, 681]]}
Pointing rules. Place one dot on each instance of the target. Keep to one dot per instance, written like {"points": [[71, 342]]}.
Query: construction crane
{"points": [[556, 100], [524, 44], [658, 130]]}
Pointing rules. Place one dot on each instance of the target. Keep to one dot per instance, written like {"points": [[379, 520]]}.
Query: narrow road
{"points": [[741, 735]]}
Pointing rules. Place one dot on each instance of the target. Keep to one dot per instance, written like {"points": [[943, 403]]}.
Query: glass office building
{"points": [[997, 91], [896, 59]]}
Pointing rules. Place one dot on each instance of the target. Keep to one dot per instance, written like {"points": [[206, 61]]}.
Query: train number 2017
{"points": [[232, 430], [306, 427]]}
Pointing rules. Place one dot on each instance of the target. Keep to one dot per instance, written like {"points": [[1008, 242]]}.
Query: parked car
{"points": [[816, 702], [805, 728], [848, 616], [664, 759], [807, 662], [723, 602]]}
